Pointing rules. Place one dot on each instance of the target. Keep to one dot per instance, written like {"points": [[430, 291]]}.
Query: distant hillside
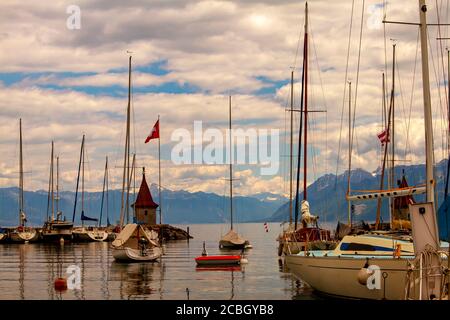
{"points": [[178, 206], [327, 194]]}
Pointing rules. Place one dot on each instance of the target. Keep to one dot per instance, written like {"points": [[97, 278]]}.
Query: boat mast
{"points": [[82, 185], [21, 221], [52, 197], [392, 171], [78, 179], [427, 104], [57, 185], [126, 159], [305, 145], [427, 112], [349, 150], [159, 171], [291, 148], [105, 176], [231, 168]]}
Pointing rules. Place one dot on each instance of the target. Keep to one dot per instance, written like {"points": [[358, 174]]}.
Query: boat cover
{"points": [[234, 238], [444, 220], [130, 235]]}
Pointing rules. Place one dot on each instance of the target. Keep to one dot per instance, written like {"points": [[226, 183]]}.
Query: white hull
{"points": [[338, 276], [24, 236], [90, 235], [124, 254]]}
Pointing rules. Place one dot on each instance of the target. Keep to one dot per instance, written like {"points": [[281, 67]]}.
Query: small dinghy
{"points": [[218, 260], [133, 244]]}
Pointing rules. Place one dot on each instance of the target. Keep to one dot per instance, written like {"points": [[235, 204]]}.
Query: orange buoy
{"points": [[60, 284]]}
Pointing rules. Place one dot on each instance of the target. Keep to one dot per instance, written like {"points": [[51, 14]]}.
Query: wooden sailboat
{"points": [[85, 233], [337, 272], [133, 243], [232, 240], [22, 233], [55, 229], [308, 234]]}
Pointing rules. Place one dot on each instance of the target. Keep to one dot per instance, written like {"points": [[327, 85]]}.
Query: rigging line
{"points": [[442, 54], [408, 126], [385, 47], [439, 91], [300, 33], [357, 82], [402, 100], [343, 104]]}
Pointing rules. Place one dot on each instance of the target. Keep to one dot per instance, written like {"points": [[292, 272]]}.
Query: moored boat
{"points": [[220, 260], [134, 245], [55, 229], [22, 233]]}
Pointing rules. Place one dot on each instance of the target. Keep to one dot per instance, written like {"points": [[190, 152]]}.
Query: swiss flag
{"points": [[154, 134]]}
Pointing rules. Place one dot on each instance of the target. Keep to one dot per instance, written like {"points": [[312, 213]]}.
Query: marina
{"points": [[183, 169]]}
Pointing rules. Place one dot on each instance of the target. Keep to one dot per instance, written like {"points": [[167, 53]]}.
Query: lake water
{"points": [[28, 271]]}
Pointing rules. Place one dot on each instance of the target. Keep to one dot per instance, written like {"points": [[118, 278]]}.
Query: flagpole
{"points": [[159, 169]]}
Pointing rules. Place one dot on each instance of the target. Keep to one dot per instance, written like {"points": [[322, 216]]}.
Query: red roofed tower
{"points": [[145, 207]]}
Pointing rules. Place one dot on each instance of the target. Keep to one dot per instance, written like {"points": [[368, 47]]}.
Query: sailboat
{"points": [[308, 235], [232, 240], [85, 233], [341, 272], [22, 233], [55, 229], [133, 243]]}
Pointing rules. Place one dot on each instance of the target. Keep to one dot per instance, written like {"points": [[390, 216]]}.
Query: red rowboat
{"points": [[218, 260]]}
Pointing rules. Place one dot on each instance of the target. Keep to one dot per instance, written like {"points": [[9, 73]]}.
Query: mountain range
{"points": [[326, 196]]}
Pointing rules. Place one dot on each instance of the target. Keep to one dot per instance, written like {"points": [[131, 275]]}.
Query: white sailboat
{"points": [[55, 229], [133, 243], [232, 240], [85, 233], [22, 233], [341, 272]]}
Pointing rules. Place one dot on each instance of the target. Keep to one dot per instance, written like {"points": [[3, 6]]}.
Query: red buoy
{"points": [[60, 284]]}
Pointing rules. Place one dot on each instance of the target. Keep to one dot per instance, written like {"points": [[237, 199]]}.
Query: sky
{"points": [[187, 58]]}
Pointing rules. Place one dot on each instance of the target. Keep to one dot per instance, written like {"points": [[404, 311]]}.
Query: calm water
{"points": [[28, 271]]}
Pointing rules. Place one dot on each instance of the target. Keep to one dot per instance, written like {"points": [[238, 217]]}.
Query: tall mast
{"points": [[427, 103], [305, 145], [231, 169], [82, 184], [291, 148], [78, 179], [349, 150], [52, 197], [21, 222], [159, 171], [126, 160], [57, 184], [103, 192], [392, 135]]}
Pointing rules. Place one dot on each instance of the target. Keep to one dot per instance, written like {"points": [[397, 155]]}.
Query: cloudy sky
{"points": [[188, 56]]}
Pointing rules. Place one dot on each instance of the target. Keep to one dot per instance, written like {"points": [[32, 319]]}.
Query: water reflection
{"points": [[29, 271], [136, 279]]}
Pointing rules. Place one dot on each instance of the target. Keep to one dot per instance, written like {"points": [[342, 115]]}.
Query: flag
{"points": [[155, 132], [383, 136]]}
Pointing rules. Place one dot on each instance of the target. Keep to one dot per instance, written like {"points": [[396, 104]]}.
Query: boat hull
{"points": [[218, 260], [124, 254], [3, 237], [90, 235], [24, 236], [223, 244], [338, 276]]}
